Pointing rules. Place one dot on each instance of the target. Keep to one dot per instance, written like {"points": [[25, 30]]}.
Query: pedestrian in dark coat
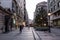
{"points": [[20, 28]]}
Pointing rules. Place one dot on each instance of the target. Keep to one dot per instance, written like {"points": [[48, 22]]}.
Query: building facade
{"points": [[24, 14], [40, 14], [12, 14], [39, 6], [54, 9], [26, 18]]}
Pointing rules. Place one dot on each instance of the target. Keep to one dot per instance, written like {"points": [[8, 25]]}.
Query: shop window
{"points": [[59, 23], [54, 23]]}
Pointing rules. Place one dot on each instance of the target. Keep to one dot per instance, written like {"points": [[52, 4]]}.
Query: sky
{"points": [[30, 6]]}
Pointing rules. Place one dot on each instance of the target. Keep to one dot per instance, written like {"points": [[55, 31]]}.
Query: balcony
{"points": [[55, 17]]}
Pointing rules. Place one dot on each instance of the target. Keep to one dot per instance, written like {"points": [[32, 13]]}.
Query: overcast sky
{"points": [[30, 6]]}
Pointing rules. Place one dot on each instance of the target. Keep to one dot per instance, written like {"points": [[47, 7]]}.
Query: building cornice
{"points": [[6, 11]]}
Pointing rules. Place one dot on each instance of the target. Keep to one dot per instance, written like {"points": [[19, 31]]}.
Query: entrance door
{"points": [[6, 23]]}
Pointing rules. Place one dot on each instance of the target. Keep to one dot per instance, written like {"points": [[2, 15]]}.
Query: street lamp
{"points": [[49, 14], [41, 18], [41, 21]]}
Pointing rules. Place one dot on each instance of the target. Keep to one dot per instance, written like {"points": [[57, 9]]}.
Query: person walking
{"points": [[21, 28]]}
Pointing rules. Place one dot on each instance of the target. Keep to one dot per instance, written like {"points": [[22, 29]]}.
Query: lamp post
{"points": [[49, 14], [41, 21], [41, 18]]}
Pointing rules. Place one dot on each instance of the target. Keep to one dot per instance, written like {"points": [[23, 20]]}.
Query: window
{"points": [[58, 4], [48, 0], [51, 10], [55, 0], [24, 0], [51, 4], [0, 2], [13, 5], [59, 23], [55, 7], [59, 13], [24, 4]]}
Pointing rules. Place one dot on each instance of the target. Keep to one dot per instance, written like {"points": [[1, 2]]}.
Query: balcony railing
{"points": [[56, 17]]}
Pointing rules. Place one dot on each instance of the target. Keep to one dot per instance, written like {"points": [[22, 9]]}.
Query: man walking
{"points": [[21, 27]]}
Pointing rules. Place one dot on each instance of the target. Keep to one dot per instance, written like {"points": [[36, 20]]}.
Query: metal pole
{"points": [[49, 25]]}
